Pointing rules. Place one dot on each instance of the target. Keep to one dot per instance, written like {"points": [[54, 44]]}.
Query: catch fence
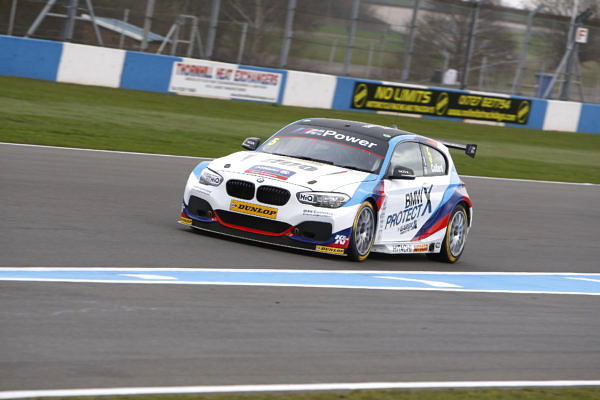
{"points": [[367, 38]]}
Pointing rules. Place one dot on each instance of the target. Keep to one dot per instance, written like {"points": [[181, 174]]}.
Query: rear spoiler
{"points": [[470, 149]]}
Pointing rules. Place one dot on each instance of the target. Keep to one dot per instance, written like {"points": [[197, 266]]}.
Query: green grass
{"points": [[482, 394], [48, 113]]}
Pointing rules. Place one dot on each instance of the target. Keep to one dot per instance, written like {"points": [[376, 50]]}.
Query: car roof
{"points": [[362, 128]]}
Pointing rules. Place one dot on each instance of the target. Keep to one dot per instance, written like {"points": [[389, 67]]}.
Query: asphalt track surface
{"points": [[67, 208]]}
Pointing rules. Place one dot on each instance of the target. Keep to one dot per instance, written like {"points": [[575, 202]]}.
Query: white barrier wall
{"points": [[562, 116], [91, 65], [305, 89]]}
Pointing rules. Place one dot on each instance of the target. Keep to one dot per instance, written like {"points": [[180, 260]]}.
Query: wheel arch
{"points": [[467, 207], [374, 204]]}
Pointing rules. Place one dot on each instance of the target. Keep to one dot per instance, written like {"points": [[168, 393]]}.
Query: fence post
{"points": [[11, 20], [125, 20], [67, 30], [410, 45], [212, 28], [242, 42], [597, 95], [351, 32], [516, 89], [287, 37], [194, 27], [332, 52], [147, 24], [469, 50], [371, 48], [482, 73], [566, 85]]}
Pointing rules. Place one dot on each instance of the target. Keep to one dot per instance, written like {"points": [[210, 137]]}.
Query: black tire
{"points": [[363, 232], [456, 237]]}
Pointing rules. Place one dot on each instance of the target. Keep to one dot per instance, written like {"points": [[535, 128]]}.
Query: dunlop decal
{"points": [[404, 99], [253, 209], [186, 221], [329, 250]]}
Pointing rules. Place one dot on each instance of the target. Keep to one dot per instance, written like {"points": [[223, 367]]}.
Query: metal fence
{"points": [[415, 41]]}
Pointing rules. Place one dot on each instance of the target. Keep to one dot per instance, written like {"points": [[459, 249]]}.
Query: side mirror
{"points": [[251, 143], [401, 172]]}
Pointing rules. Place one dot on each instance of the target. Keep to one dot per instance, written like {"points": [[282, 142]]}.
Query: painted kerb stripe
{"points": [[291, 388]]}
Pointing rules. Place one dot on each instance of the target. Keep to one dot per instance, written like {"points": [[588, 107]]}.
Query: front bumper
{"points": [[309, 235]]}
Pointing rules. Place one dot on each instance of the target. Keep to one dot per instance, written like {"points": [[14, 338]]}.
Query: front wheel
{"points": [[363, 232], [456, 236]]}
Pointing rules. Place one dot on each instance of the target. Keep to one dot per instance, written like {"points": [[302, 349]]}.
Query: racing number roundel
{"points": [[360, 95], [441, 105], [523, 112]]}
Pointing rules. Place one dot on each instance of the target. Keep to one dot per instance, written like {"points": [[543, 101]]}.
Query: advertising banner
{"points": [[227, 81], [439, 103]]}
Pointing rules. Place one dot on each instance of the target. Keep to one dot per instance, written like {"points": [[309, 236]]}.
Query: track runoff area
{"points": [[468, 282]]}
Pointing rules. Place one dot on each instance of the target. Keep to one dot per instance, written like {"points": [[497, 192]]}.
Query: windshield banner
{"points": [[439, 103], [367, 143], [227, 81]]}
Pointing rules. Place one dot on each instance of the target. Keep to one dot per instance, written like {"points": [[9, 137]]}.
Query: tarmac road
{"points": [[66, 208]]}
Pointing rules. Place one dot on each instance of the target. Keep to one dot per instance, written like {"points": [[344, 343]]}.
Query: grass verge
{"points": [[56, 114]]}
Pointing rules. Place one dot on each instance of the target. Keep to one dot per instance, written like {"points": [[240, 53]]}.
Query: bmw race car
{"points": [[336, 187]]}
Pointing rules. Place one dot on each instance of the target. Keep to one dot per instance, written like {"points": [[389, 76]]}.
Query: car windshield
{"points": [[343, 149]]}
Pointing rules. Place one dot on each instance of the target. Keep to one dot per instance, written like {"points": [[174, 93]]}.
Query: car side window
{"points": [[407, 154], [434, 160]]}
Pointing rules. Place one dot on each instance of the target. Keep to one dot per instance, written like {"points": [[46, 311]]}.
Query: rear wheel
{"points": [[456, 236], [363, 232]]}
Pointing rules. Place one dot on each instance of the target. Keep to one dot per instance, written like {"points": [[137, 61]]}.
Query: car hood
{"points": [[273, 168]]}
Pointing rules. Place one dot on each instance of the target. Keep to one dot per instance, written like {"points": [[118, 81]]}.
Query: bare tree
{"points": [[444, 34], [557, 40]]}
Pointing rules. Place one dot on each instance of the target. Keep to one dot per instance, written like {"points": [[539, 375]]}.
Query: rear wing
{"points": [[470, 149]]}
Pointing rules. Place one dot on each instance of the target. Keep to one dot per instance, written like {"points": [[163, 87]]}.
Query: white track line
{"points": [[528, 180], [312, 271], [21, 394], [207, 159], [102, 151]]}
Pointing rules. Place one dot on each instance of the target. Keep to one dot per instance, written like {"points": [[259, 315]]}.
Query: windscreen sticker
{"points": [[271, 172], [356, 140], [329, 134]]}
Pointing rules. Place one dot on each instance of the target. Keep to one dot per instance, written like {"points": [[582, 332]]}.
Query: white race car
{"points": [[337, 187]]}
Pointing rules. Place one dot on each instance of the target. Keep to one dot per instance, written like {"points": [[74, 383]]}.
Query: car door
{"points": [[410, 202], [435, 182]]}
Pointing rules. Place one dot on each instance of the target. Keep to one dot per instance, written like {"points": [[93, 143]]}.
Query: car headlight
{"points": [[323, 199], [209, 177]]}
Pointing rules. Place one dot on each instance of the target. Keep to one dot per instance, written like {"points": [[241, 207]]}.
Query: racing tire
{"points": [[456, 237], [363, 232]]}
